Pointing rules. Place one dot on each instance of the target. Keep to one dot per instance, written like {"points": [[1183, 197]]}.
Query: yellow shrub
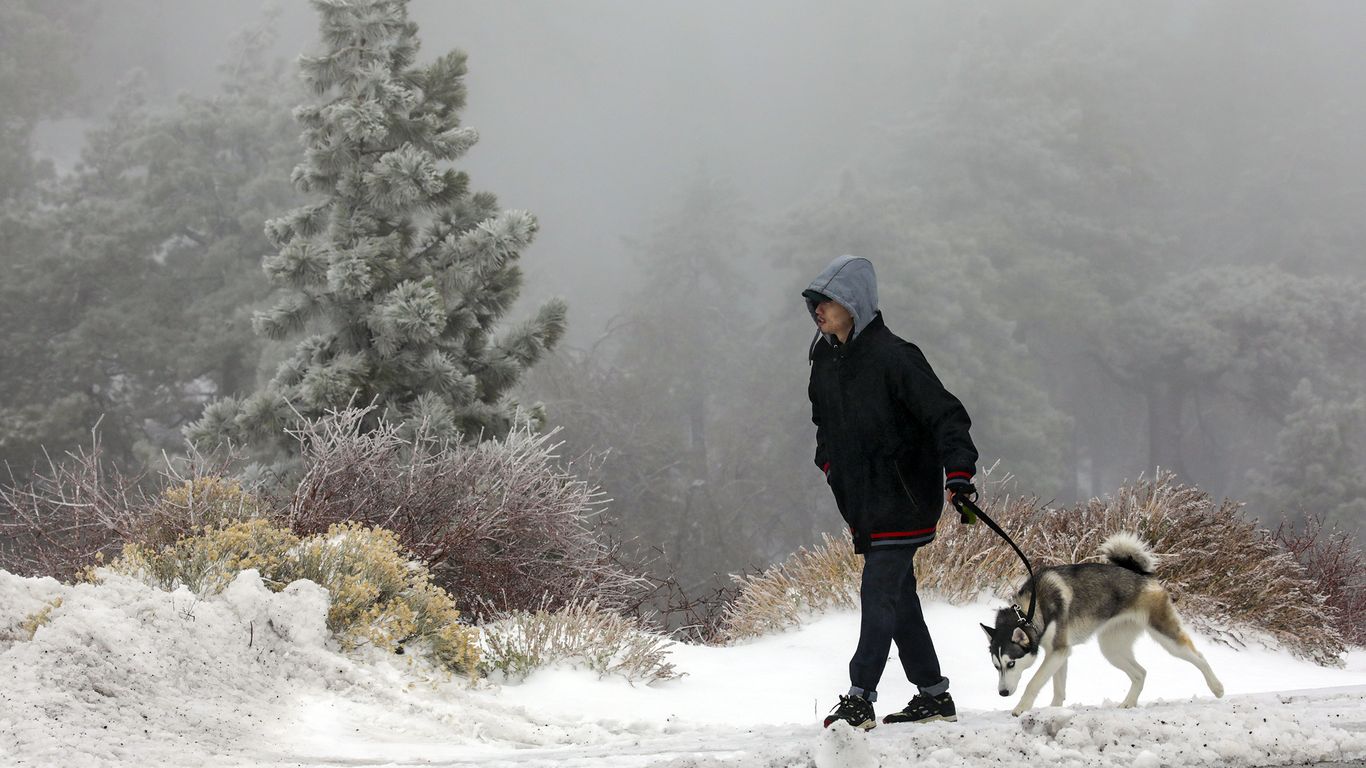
{"points": [[194, 505], [40, 617], [209, 561], [381, 598], [378, 596]]}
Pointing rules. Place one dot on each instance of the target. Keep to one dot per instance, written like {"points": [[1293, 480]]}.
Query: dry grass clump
{"points": [[580, 634], [811, 580], [966, 561], [1230, 577], [378, 596]]}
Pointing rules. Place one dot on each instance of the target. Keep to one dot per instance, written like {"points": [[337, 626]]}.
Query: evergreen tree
{"points": [[1316, 464], [126, 301], [1219, 356], [684, 340], [663, 393], [397, 276], [39, 48], [40, 43]]}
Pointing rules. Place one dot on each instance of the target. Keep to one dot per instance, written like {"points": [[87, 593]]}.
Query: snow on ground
{"points": [[122, 674]]}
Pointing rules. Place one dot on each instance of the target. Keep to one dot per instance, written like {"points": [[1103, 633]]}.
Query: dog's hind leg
{"points": [[1117, 645], [1165, 627], [1052, 661], [1059, 685]]}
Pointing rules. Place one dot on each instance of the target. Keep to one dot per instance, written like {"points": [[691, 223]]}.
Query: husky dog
{"points": [[1115, 600]]}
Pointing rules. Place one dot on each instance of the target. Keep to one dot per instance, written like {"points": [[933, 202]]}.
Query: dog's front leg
{"points": [[1051, 661], [1059, 685]]}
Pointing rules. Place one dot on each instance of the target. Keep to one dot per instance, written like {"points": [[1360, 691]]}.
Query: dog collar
{"points": [[1021, 619]]}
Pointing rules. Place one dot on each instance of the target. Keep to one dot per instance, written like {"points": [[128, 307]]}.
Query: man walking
{"points": [[888, 437]]}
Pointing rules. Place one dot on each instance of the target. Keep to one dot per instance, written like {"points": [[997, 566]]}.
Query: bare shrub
{"points": [[1335, 564], [1230, 577], [81, 511], [499, 524], [689, 614], [580, 634], [75, 514]]}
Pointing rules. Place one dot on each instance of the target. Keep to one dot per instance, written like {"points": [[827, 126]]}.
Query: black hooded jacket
{"points": [[888, 433]]}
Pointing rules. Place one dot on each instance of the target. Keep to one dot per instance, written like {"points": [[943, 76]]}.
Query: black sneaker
{"points": [[854, 710], [926, 709]]}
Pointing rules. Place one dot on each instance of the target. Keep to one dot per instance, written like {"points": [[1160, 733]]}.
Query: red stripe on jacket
{"points": [[899, 534]]}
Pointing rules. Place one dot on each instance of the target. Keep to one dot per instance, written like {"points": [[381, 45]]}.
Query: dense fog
{"points": [[1129, 236]]}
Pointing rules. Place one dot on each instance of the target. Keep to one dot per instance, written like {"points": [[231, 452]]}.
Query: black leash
{"points": [[969, 513]]}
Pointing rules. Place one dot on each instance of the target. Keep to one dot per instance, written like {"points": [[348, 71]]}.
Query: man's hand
{"points": [[968, 490], [969, 493]]}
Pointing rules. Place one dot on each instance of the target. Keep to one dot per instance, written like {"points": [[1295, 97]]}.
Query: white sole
{"points": [[935, 719]]}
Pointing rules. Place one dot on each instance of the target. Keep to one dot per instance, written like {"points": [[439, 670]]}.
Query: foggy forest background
{"points": [[1128, 236]]}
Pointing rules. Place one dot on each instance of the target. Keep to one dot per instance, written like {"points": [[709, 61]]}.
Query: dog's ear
{"points": [[1020, 637], [991, 631]]}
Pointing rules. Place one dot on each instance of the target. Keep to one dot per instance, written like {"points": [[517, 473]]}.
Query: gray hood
{"points": [[850, 281]]}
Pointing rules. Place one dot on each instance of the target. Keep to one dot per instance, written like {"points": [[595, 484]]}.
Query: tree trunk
{"points": [[1165, 403]]}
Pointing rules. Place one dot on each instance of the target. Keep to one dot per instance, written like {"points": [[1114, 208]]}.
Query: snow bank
{"points": [[122, 674]]}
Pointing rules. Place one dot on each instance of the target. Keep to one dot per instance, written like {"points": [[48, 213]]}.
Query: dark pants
{"points": [[891, 612]]}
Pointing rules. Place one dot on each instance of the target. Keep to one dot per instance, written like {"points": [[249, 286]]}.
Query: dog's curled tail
{"points": [[1128, 551]]}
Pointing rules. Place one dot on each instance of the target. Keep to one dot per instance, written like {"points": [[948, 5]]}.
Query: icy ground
{"points": [[129, 676]]}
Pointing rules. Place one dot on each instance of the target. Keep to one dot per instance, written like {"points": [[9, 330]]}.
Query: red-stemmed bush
{"points": [[500, 524], [1334, 562]]}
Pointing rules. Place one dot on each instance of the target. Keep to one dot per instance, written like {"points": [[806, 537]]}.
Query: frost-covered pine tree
{"points": [[397, 276]]}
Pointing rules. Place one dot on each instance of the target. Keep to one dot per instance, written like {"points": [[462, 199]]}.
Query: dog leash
{"points": [[969, 513]]}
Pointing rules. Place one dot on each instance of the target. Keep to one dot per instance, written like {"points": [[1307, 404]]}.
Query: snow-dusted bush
{"points": [[60, 521], [188, 505], [1229, 576], [378, 596], [579, 634], [81, 511], [1335, 563], [206, 562], [501, 526], [381, 597]]}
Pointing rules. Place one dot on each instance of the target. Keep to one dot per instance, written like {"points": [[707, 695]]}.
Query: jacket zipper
{"points": [[904, 488]]}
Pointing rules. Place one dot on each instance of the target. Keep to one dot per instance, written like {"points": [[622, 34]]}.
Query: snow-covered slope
{"points": [[126, 675]]}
